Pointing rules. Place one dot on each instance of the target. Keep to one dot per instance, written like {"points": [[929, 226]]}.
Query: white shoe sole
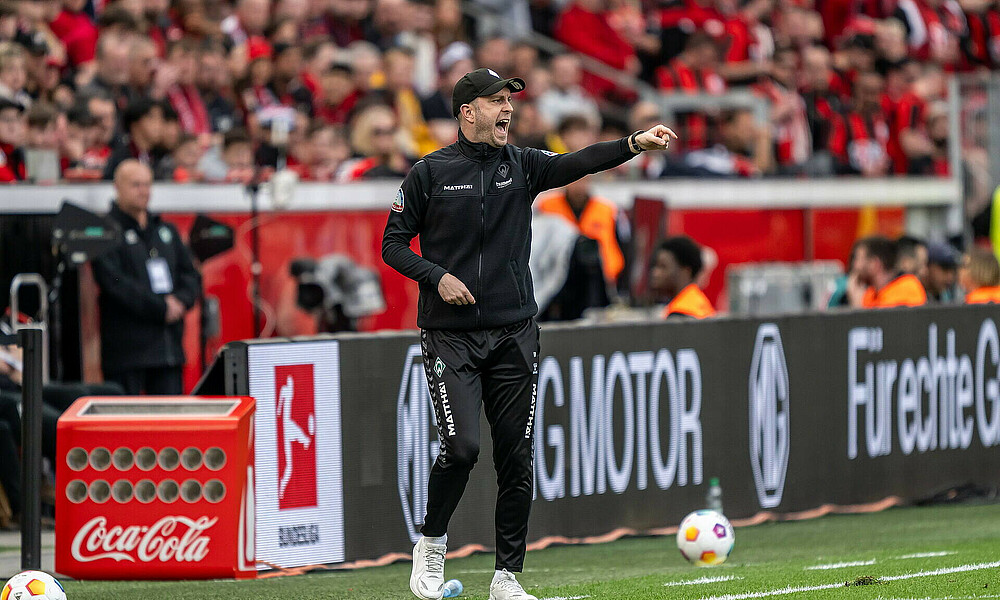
{"points": [[414, 586]]}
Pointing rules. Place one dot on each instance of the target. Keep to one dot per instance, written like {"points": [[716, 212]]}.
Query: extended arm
{"points": [[547, 171]]}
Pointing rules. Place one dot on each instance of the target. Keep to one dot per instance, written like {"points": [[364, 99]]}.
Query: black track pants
{"points": [[495, 369]]}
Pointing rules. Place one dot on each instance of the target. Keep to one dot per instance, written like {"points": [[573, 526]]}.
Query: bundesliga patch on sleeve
{"points": [[397, 204], [549, 153]]}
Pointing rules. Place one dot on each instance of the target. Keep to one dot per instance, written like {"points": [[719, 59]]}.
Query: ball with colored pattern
{"points": [[32, 585], [705, 538]]}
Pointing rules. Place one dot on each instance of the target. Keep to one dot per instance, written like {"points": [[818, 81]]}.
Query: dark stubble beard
{"points": [[484, 130]]}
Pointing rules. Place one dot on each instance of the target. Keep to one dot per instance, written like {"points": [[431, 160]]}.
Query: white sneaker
{"points": [[427, 576], [506, 587]]}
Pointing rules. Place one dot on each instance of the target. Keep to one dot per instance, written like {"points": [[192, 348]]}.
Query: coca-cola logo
{"points": [[174, 538]]}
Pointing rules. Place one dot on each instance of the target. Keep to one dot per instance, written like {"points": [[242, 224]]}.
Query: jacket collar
{"points": [[479, 151], [127, 221]]}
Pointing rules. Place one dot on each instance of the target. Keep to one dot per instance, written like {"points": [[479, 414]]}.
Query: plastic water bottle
{"points": [[452, 589], [713, 498]]}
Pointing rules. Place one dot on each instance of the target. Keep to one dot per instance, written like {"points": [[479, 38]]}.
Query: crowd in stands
{"points": [[340, 90]]}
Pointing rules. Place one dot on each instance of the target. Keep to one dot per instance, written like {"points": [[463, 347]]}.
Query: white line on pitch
{"points": [[566, 598], [702, 580], [828, 586], [841, 565], [923, 555]]}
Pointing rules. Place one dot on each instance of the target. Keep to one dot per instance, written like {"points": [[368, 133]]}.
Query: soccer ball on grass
{"points": [[705, 538], [32, 585]]}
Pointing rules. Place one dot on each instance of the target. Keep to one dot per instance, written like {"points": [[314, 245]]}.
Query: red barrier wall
{"points": [[735, 235]]}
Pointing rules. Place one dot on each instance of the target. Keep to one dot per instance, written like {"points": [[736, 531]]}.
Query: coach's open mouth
{"points": [[502, 126]]}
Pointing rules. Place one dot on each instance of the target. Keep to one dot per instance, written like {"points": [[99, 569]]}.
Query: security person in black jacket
{"points": [[147, 284], [470, 203]]}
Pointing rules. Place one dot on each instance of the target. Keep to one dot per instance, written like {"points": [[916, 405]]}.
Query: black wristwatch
{"points": [[633, 145]]}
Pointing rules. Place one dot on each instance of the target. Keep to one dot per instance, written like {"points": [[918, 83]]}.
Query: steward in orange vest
{"points": [[596, 218], [980, 274], [904, 290], [984, 295], [876, 268], [675, 264]]}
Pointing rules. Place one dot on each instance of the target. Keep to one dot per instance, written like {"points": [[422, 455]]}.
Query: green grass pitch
{"points": [[933, 553]]}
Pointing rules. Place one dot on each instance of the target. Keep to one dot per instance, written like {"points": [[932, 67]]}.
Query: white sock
{"points": [[498, 574], [437, 540]]}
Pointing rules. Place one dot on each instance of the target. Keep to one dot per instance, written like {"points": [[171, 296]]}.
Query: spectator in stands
{"points": [[47, 84], [455, 61], [146, 284], [143, 120], [495, 53], [117, 19], [375, 138], [147, 74], [942, 275], [181, 165], [595, 217], [250, 19], [584, 27], [13, 130], [912, 257], [237, 154], [934, 29], [910, 146], [822, 92], [565, 95], [693, 72], [45, 136], [13, 74], [78, 34], [327, 150], [339, 94], [792, 139], [102, 109], [113, 71], [524, 57], [215, 82], [81, 134], [317, 57], [938, 132], [980, 277], [860, 141], [286, 82], [885, 285], [745, 150], [183, 96], [674, 267], [400, 94]]}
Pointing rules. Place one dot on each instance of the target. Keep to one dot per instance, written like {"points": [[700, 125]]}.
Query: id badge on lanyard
{"points": [[159, 273]]}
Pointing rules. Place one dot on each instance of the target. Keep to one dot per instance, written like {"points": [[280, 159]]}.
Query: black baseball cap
{"points": [[481, 82]]}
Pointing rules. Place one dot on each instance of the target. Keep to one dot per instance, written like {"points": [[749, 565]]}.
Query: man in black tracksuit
{"points": [[148, 282], [470, 203]]}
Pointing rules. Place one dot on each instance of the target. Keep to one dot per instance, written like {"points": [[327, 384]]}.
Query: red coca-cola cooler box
{"points": [[156, 488]]}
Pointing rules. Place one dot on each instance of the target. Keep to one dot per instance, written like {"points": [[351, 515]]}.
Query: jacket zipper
{"points": [[482, 236]]}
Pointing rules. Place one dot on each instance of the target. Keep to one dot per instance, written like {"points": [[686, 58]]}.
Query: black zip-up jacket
{"points": [[134, 330], [471, 205]]}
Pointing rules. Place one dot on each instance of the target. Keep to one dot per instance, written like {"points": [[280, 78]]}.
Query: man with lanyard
{"points": [[147, 283], [470, 203]]}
